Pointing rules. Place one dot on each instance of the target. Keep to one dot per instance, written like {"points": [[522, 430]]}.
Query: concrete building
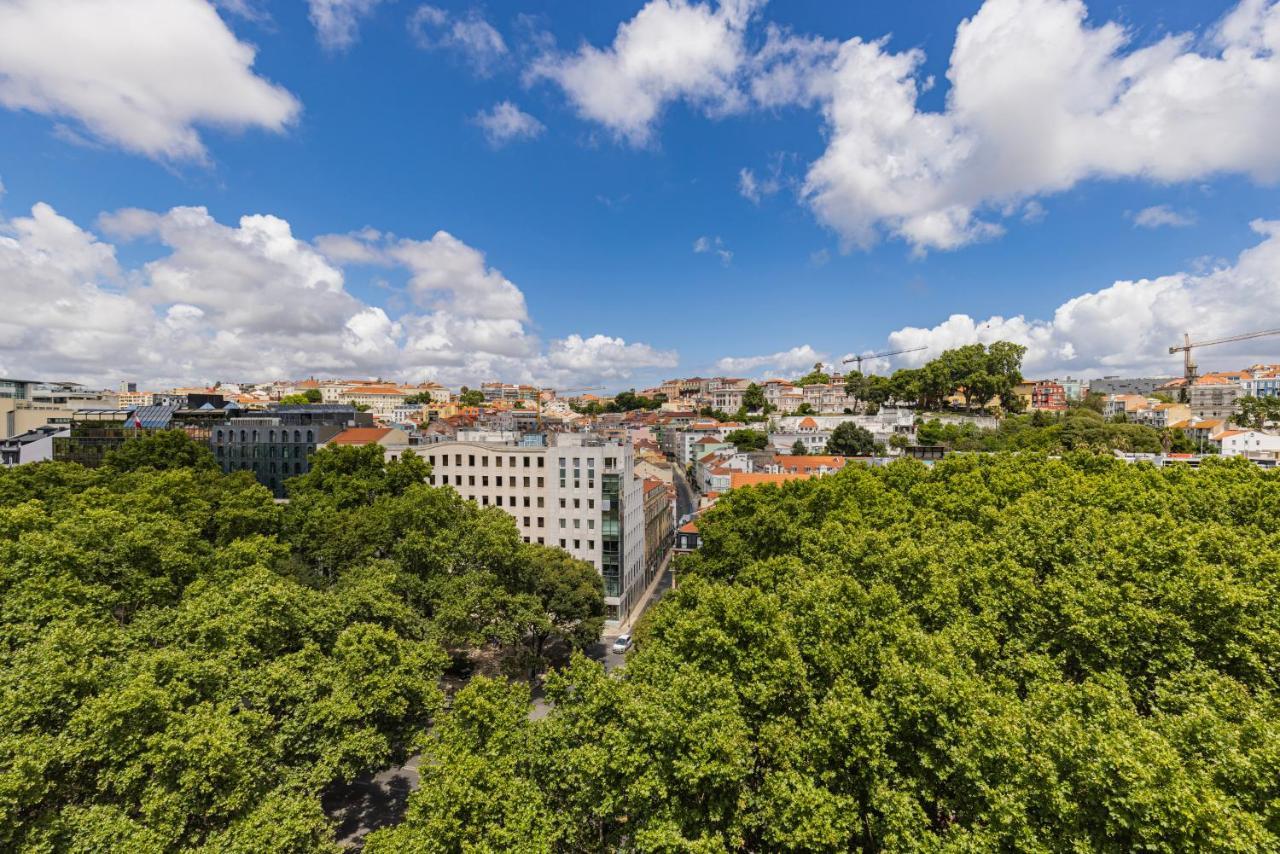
{"points": [[1127, 385], [380, 400], [1261, 381], [579, 493], [1074, 389], [1128, 405], [659, 527], [1214, 396], [277, 445], [1250, 443], [1048, 395], [33, 446], [393, 441]]}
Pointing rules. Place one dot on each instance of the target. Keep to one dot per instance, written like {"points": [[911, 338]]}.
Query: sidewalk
{"points": [[610, 633]]}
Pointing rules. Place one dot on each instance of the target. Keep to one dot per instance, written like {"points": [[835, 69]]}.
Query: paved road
{"points": [[377, 800], [373, 801], [684, 493]]}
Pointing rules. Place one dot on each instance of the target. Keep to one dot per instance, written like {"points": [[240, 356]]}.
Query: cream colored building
{"points": [[580, 494]]}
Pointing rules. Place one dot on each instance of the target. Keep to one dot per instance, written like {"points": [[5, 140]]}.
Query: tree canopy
{"points": [[187, 665], [748, 440], [998, 653], [1078, 428], [981, 373], [850, 440], [470, 396]]}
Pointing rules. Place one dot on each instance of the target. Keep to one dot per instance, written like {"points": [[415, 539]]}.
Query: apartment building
{"points": [[1048, 395], [278, 444], [659, 526], [1261, 381], [380, 401], [1214, 396], [579, 493]]}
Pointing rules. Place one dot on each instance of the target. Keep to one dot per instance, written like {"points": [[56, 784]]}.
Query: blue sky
{"points": [[586, 227]]}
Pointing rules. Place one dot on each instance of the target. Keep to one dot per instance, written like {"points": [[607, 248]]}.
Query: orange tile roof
{"points": [[739, 479], [689, 527], [360, 436], [808, 422]]}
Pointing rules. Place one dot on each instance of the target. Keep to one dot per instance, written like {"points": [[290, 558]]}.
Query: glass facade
{"points": [[611, 536]]}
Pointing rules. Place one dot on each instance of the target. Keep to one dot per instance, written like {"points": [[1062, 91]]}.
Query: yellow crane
{"points": [[1189, 370]]}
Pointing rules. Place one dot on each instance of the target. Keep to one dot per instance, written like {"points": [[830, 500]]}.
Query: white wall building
{"points": [[580, 494], [1237, 443]]}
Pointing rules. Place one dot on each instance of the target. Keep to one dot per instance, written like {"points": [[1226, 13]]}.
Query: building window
{"points": [[541, 520], [541, 461], [471, 460], [540, 484], [526, 523], [311, 436]]}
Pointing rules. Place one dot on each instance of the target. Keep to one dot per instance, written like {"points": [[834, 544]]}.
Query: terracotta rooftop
{"points": [[360, 436]]}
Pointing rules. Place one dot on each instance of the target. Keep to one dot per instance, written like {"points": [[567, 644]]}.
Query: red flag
{"points": [[137, 422]]}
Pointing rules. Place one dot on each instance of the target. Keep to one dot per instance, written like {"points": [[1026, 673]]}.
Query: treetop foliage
{"points": [[998, 653], [186, 665]]}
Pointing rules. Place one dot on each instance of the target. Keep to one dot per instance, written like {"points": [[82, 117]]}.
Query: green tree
{"points": [[470, 397], [753, 398], [160, 450], [850, 440], [798, 449], [815, 377], [909, 658], [1257, 412], [748, 440], [294, 400]]}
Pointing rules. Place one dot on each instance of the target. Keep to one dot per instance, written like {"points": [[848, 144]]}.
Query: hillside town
{"points": [[620, 481]]}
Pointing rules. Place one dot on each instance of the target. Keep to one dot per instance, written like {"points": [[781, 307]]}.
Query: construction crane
{"points": [[859, 359], [553, 391], [1189, 363]]}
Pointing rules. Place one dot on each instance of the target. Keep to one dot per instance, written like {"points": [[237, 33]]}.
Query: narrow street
{"points": [[684, 493]]}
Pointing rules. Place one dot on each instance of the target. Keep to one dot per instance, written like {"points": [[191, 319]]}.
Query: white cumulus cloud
{"points": [[253, 301], [1158, 216], [713, 245], [797, 360], [505, 122], [1128, 326], [337, 22], [671, 50], [470, 37], [140, 74], [1040, 99]]}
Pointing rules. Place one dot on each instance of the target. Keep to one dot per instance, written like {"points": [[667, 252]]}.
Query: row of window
{"points": [[484, 460], [258, 451], [252, 435], [484, 481]]}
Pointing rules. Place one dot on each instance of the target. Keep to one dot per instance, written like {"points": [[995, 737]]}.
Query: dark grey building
{"points": [[277, 444], [1127, 385]]}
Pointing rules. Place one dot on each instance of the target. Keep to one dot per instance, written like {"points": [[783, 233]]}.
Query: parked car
{"points": [[622, 644]]}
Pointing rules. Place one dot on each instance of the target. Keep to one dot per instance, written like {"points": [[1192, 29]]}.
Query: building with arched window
{"points": [[259, 441]]}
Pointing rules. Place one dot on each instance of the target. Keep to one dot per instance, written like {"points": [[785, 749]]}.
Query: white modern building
{"points": [[1236, 443], [579, 493]]}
